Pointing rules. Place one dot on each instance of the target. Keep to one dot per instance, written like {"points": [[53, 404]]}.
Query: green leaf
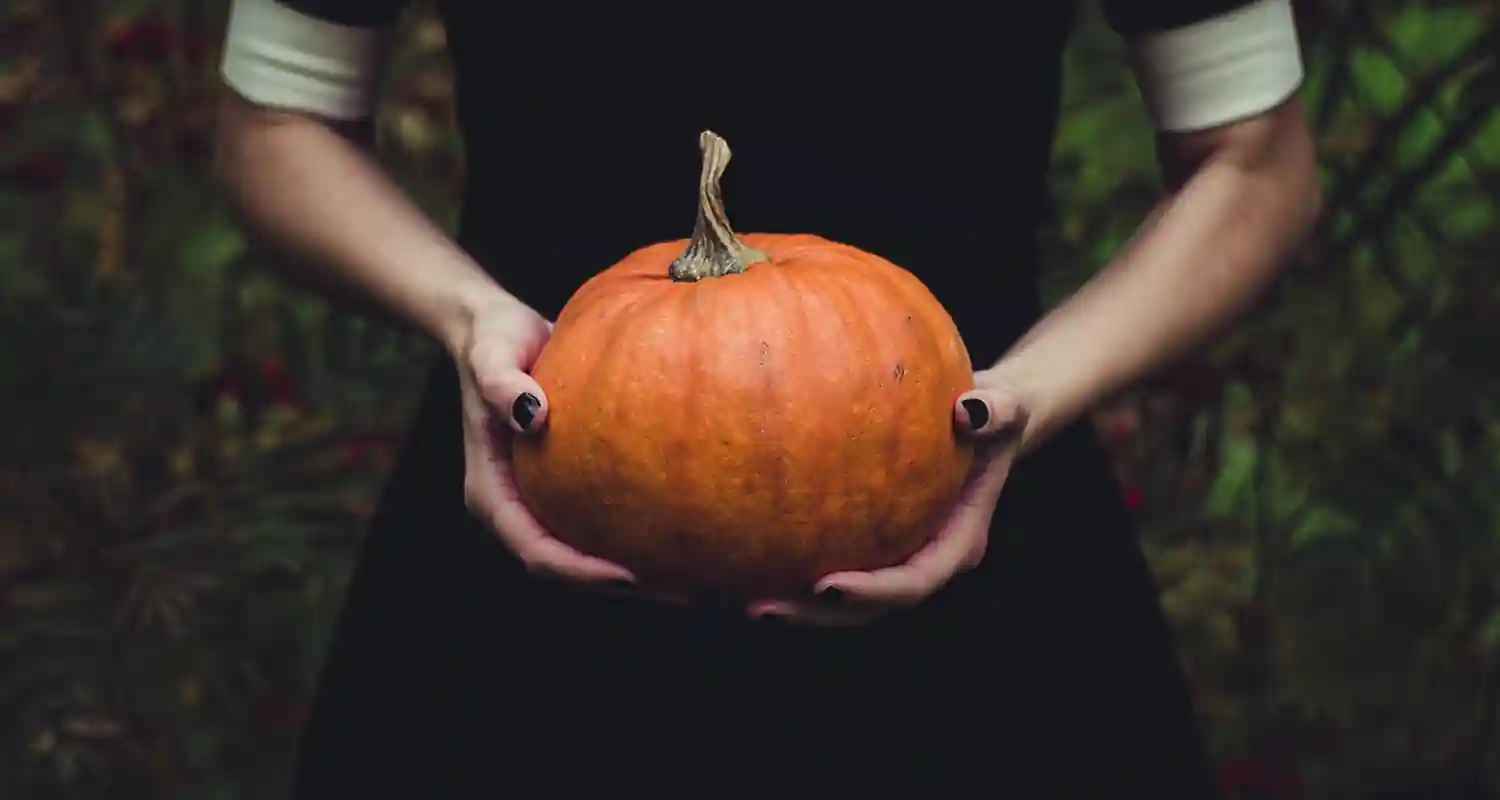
{"points": [[1236, 476], [1378, 81], [1428, 37], [1322, 524], [207, 248]]}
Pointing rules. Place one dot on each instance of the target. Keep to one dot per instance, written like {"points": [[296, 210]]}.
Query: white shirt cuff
{"points": [[281, 58], [1221, 70]]}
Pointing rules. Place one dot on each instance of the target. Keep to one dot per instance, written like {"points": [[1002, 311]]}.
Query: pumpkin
{"points": [[741, 416]]}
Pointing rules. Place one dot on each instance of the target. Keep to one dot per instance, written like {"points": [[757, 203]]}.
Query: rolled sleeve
{"points": [[320, 58], [1204, 64]]}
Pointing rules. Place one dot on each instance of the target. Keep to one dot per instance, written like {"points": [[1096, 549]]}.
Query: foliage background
{"points": [[190, 448]]}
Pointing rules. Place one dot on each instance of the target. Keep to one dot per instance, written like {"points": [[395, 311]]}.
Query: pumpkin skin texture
{"points": [[784, 413]]}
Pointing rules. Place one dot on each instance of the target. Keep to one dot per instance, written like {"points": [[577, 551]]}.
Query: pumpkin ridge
{"points": [[677, 453], [839, 463], [904, 285], [780, 257], [783, 286], [595, 391], [898, 429], [849, 482], [853, 325]]}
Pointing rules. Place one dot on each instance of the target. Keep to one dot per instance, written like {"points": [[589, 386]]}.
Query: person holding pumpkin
{"points": [[1021, 653]]}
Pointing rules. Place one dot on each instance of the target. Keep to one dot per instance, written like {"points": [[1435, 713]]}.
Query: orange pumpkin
{"points": [[742, 417]]}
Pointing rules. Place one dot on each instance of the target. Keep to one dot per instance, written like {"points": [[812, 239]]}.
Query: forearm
{"points": [[343, 225], [1199, 262]]}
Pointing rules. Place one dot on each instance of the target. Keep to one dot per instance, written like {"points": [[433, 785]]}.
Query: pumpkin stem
{"points": [[714, 250]]}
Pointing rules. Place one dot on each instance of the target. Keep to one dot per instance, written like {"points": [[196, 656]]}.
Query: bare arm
{"points": [[1202, 259], [311, 192], [1244, 196]]}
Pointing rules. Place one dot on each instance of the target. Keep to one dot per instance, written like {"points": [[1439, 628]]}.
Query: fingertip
{"points": [[984, 413], [843, 588], [842, 583], [973, 414], [550, 556], [610, 572], [835, 582], [528, 412], [516, 397]]}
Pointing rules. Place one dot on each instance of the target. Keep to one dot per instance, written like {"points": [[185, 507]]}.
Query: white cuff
{"points": [[281, 58], [1220, 70]]}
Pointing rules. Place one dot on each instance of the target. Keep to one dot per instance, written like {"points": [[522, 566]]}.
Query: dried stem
{"points": [[714, 251]]}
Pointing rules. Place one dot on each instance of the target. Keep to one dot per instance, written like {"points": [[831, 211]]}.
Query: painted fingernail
{"points": [[523, 411], [832, 595], [620, 585], [978, 411], [771, 617]]}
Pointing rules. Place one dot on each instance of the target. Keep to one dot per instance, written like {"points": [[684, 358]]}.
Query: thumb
{"points": [[986, 412], [515, 396]]}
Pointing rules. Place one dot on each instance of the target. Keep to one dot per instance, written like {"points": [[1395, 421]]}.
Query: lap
{"points": [[453, 673]]}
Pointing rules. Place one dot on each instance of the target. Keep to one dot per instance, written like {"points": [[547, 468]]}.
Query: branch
{"points": [[1454, 138], [1377, 156]]}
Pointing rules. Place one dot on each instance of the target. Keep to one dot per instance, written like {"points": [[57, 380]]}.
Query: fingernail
{"points": [[620, 585], [978, 411], [832, 595], [523, 411], [771, 617]]}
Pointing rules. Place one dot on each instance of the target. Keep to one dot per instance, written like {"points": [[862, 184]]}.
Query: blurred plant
{"points": [[192, 450]]}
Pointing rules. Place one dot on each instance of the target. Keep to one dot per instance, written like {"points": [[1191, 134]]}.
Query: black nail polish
{"points": [[620, 585], [772, 618], [832, 595], [978, 411], [523, 411]]}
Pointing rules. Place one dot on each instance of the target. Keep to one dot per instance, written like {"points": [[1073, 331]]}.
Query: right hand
{"points": [[501, 401]]}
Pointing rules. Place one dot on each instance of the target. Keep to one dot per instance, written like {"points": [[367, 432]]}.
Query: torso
{"points": [[926, 142]]}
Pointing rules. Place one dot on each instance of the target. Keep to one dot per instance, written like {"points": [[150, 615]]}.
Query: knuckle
{"points": [[493, 346], [538, 562], [493, 386], [533, 563]]}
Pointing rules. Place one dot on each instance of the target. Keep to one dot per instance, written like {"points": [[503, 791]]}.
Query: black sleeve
{"points": [[353, 13], [1133, 17]]}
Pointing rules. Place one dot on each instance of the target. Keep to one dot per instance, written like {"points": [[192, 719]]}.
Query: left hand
{"points": [[992, 415]]}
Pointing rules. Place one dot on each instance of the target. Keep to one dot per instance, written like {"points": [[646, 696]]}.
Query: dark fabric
{"points": [[1133, 17], [356, 13], [1049, 671]]}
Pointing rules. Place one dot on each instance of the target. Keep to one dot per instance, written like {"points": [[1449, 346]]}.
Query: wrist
{"points": [[466, 311], [462, 296], [1032, 394]]}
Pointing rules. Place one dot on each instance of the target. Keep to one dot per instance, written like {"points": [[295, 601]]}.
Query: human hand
{"points": [[993, 416], [501, 401]]}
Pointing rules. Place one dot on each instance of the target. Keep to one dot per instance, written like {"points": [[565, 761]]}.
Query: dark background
{"points": [[189, 449]]}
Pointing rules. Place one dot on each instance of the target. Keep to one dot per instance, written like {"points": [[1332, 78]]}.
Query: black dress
{"points": [[1048, 671]]}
